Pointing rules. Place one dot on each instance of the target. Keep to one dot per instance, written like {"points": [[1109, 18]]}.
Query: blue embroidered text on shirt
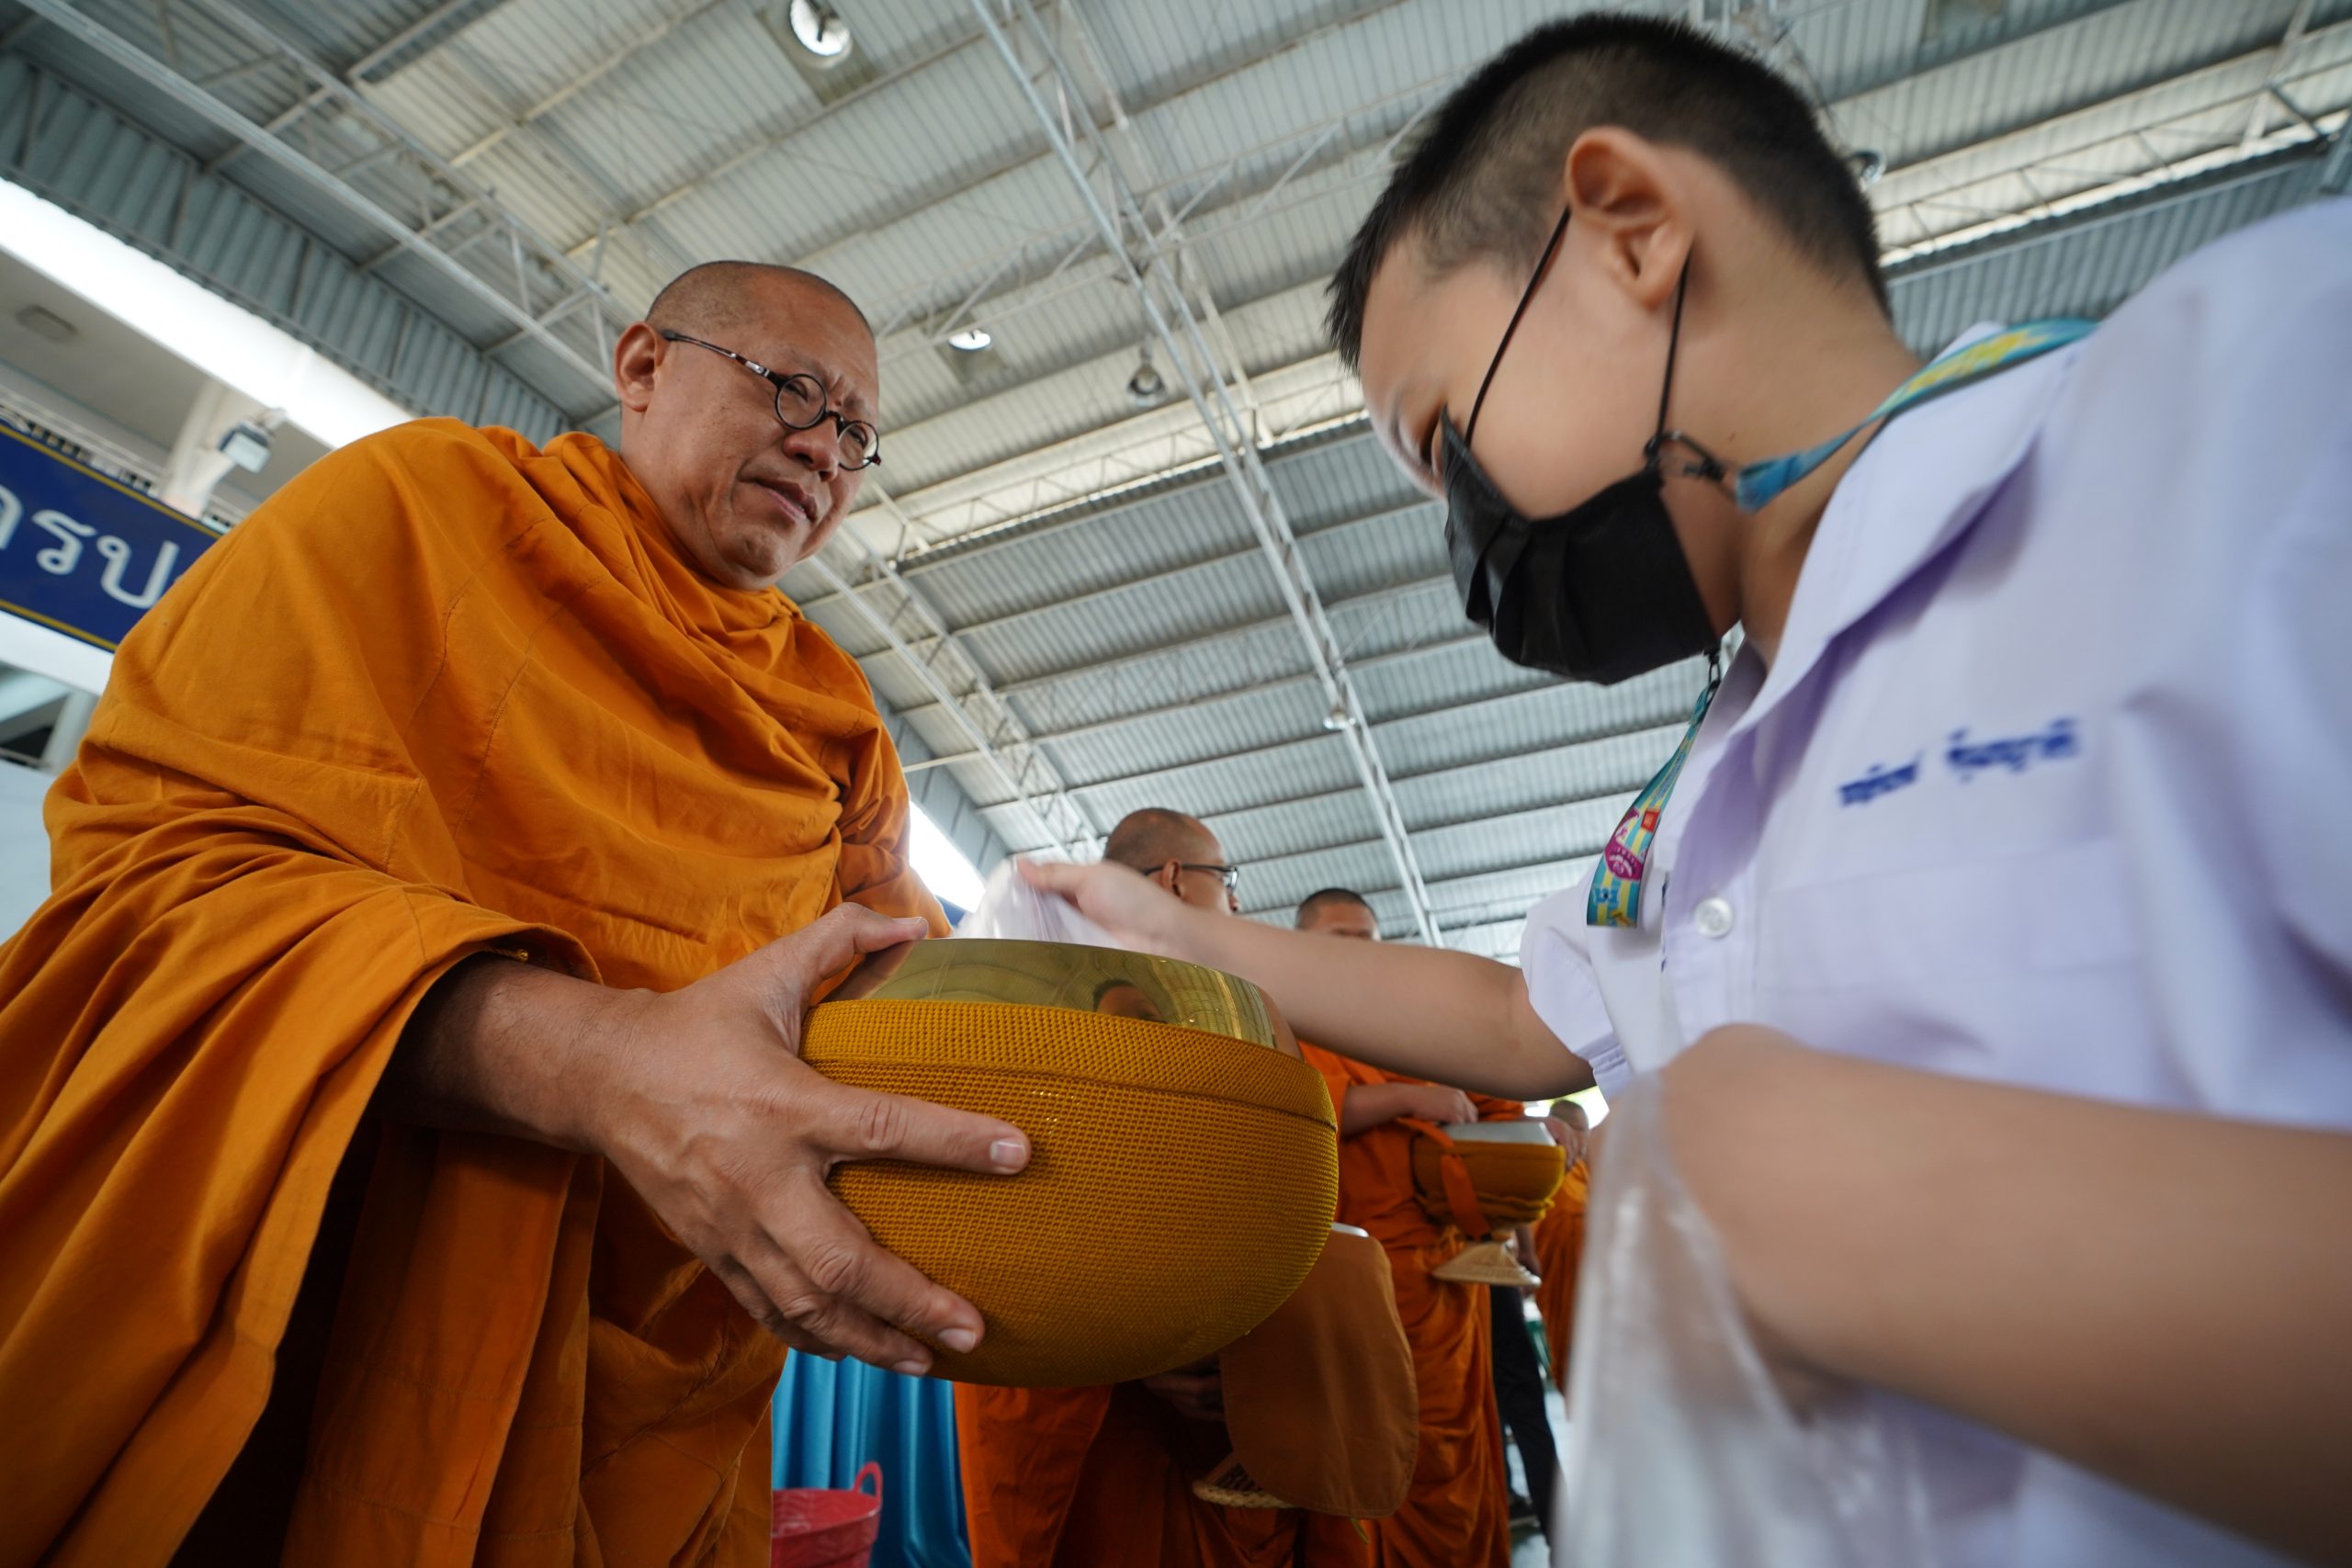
{"points": [[1879, 780], [2016, 753]]}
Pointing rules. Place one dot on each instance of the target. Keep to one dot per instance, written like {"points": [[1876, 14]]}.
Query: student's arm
{"points": [[1407, 1008], [2158, 1297]]}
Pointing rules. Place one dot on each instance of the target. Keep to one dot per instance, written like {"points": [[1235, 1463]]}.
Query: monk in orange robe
{"points": [[1103, 1477], [403, 1159], [1458, 1512], [1559, 1248]]}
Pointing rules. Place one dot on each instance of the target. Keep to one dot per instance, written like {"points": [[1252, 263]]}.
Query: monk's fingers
{"points": [[754, 1300], [791, 966], [1196, 1395], [857, 1125], [829, 1277], [789, 1306], [1567, 1135]]}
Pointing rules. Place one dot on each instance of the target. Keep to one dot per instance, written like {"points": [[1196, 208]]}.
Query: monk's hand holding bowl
{"points": [[1569, 1134], [697, 1097], [1196, 1392], [1435, 1102]]}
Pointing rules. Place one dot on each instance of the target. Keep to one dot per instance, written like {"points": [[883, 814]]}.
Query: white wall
{"points": [[24, 848]]}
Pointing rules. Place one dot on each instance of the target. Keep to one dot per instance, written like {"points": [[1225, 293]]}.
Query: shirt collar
{"points": [[1916, 488]]}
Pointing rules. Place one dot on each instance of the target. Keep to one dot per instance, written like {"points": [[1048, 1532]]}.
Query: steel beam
{"points": [[1001, 742], [1113, 668], [594, 379], [524, 119], [1205, 379], [2336, 174], [1668, 728], [2219, 86]]}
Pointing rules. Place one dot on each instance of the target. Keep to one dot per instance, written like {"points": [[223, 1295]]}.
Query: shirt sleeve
{"points": [[1565, 992]]}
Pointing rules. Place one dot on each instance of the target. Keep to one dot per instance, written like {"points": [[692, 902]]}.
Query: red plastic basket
{"points": [[822, 1528]]}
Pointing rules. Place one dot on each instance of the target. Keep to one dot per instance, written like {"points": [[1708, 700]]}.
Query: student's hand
{"points": [[702, 1104], [1435, 1102], [1196, 1392], [1126, 904]]}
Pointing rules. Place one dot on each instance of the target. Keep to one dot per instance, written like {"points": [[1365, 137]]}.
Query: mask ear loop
{"points": [[1526, 297], [1709, 466]]}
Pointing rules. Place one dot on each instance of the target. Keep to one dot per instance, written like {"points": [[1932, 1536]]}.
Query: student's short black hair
{"points": [[1483, 180]]}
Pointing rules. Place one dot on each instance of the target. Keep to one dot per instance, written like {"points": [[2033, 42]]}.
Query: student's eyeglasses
{"points": [[1228, 875], [800, 403]]}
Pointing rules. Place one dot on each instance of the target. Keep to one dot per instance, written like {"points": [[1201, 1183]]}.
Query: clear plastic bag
{"points": [[1684, 1450], [1010, 909]]}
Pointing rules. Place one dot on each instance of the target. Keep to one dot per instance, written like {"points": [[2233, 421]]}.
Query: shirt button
{"points": [[1712, 917]]}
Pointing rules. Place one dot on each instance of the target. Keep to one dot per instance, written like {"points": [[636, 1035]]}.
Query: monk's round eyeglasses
{"points": [[800, 403], [1228, 875]]}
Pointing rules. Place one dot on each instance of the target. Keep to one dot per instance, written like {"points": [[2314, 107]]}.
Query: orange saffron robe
{"points": [[1102, 1478], [1457, 1514], [1559, 1253], [445, 694]]}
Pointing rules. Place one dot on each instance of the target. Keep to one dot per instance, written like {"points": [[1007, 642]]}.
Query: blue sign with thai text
{"points": [[79, 552]]}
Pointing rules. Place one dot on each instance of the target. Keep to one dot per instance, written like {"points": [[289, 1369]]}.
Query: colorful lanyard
{"points": [[1615, 898]]}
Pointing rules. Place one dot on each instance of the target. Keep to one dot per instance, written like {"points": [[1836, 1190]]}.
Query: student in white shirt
{"points": [[1994, 929]]}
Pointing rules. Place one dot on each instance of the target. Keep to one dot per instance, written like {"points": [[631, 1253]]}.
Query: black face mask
{"points": [[1602, 592]]}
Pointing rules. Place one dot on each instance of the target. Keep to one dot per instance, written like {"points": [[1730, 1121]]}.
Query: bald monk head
{"points": [[1338, 912], [747, 496], [1178, 852]]}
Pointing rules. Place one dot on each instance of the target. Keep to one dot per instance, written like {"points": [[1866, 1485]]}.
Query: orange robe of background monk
{"points": [[444, 694], [1559, 1253], [1457, 1514], [1102, 1478]]}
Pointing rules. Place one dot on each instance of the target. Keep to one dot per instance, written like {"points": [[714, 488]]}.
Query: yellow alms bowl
{"points": [[1184, 1166], [1514, 1181]]}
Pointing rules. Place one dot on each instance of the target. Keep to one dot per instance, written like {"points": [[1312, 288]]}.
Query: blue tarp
{"points": [[831, 1418]]}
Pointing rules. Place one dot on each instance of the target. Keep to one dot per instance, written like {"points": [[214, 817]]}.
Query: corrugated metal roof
{"points": [[1107, 585]]}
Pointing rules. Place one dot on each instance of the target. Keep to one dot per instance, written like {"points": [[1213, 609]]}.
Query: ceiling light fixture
{"points": [[821, 30], [1146, 385], [1868, 164], [969, 340], [44, 322]]}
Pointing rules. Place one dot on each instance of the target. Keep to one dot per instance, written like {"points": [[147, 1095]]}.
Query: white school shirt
{"points": [[2051, 782]]}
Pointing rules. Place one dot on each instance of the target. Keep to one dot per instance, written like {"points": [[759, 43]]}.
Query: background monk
{"points": [[1558, 1246], [397, 1094], [1458, 1511], [1103, 1477]]}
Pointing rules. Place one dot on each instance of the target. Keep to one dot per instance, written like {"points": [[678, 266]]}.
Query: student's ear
{"points": [[634, 357], [1627, 198]]}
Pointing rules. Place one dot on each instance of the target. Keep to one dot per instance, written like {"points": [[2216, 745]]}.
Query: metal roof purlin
{"points": [[1034, 284], [1173, 322], [522, 312], [1002, 743]]}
